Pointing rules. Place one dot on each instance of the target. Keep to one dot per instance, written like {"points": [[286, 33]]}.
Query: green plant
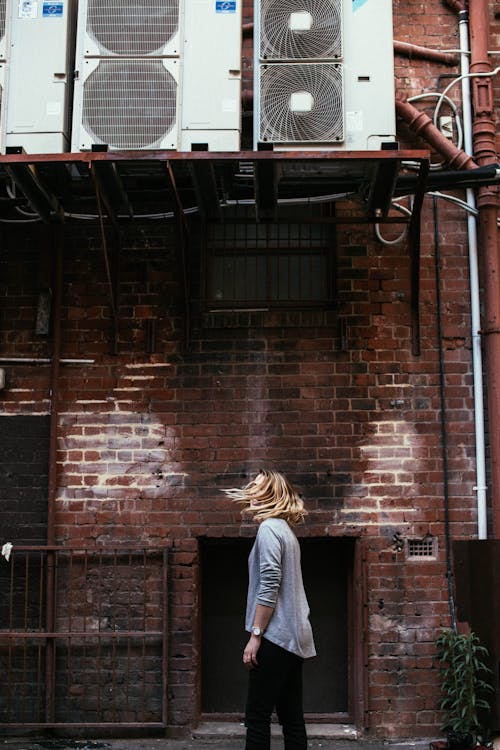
{"points": [[464, 685]]}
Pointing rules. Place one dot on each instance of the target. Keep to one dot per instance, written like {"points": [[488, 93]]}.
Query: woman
{"points": [[277, 614]]}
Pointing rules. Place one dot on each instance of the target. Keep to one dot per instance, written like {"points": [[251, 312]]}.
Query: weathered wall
{"points": [[146, 441], [148, 437]]}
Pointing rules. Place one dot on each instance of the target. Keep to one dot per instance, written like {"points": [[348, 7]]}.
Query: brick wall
{"points": [[24, 447], [149, 437], [147, 441]]}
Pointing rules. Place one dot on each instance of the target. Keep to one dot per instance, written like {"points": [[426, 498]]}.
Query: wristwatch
{"points": [[256, 630]]}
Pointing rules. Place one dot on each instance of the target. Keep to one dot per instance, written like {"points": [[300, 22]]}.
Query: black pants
{"points": [[275, 683]]}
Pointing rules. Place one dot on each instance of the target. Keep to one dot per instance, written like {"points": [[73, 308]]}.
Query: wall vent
{"points": [[422, 549]]}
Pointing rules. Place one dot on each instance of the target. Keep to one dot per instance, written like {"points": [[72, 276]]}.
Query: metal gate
{"points": [[83, 637]]}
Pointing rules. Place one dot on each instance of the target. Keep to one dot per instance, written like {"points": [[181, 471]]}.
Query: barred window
{"points": [[262, 265]]}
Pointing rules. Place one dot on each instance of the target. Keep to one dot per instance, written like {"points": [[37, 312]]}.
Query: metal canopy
{"points": [[120, 187], [132, 184]]}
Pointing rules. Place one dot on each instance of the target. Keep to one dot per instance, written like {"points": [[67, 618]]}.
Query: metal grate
{"points": [[132, 27], [422, 549], [300, 29], [301, 102], [83, 637], [255, 265], [131, 104]]}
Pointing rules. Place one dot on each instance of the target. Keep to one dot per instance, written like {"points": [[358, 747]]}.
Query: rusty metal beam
{"points": [[183, 236], [111, 189], [205, 185], [266, 194], [88, 157], [110, 277], [43, 202], [382, 187], [414, 247]]}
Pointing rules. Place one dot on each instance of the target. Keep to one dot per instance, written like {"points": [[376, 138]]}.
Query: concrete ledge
{"points": [[214, 729]]}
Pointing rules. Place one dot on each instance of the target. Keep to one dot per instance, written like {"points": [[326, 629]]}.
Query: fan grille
{"points": [[320, 84], [282, 39], [130, 103], [132, 27]]}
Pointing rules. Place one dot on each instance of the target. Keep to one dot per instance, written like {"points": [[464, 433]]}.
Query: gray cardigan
{"points": [[275, 580]]}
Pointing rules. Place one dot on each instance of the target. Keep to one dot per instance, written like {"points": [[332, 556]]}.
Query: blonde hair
{"points": [[269, 495]]}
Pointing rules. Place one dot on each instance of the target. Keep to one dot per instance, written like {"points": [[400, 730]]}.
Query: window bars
{"points": [[83, 637]]}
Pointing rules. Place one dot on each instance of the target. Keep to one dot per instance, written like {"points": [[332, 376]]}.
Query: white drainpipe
{"points": [[480, 488]]}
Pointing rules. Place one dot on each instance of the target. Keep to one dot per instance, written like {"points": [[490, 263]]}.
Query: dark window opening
{"points": [[256, 266]]}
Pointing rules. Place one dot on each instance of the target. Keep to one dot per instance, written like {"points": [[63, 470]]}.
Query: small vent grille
{"points": [[301, 29], [130, 104], [301, 103], [132, 27], [422, 549]]}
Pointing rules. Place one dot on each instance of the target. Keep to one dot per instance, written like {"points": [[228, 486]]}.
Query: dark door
{"points": [[327, 569], [24, 447]]}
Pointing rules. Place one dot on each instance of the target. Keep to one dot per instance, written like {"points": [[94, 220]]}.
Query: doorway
{"points": [[327, 565]]}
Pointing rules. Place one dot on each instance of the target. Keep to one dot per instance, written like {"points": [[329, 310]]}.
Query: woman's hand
{"points": [[251, 651]]}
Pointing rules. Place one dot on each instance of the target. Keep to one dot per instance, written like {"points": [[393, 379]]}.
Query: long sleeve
{"points": [[275, 580], [270, 567]]}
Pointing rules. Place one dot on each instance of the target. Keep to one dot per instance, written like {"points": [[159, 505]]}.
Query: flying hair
{"points": [[269, 495]]}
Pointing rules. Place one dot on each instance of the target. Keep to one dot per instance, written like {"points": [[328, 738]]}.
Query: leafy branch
{"points": [[464, 682]]}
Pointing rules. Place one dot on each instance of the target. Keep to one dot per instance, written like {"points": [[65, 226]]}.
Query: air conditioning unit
{"points": [[3, 60], [324, 74], [38, 49], [3, 30], [211, 87], [158, 75]]}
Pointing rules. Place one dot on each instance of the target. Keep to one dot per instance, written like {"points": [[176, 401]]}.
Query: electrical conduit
{"points": [[474, 287]]}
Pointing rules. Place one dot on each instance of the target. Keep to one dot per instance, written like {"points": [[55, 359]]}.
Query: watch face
{"points": [[256, 630]]}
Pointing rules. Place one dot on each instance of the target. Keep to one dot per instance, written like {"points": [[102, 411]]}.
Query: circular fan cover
{"points": [[129, 103], [132, 27], [300, 29], [317, 88]]}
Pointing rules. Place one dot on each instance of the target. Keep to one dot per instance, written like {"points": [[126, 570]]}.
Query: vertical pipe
{"points": [[164, 703], [483, 132], [57, 243], [474, 287]]}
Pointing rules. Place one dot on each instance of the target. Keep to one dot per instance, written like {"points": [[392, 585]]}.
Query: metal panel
{"points": [[131, 27], [39, 72], [476, 568], [325, 35]]}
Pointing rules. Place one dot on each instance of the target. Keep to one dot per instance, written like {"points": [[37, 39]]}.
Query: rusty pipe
{"points": [[424, 53], [483, 128], [456, 5], [483, 133], [422, 125], [57, 245]]}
